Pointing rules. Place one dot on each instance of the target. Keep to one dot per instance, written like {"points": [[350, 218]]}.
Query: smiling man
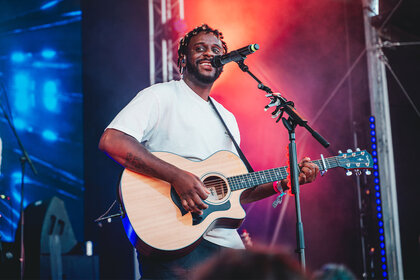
{"points": [[177, 117]]}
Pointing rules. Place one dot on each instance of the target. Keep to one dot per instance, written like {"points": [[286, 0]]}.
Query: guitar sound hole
{"points": [[217, 187]]}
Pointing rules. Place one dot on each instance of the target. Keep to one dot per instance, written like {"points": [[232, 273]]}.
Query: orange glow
{"points": [[300, 43], [306, 48], [243, 23]]}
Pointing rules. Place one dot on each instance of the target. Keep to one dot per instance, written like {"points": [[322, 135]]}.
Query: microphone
{"points": [[237, 55]]}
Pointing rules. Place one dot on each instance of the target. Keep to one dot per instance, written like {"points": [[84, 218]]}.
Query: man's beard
{"points": [[193, 70]]}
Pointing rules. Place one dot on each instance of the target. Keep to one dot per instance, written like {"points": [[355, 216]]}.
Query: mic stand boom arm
{"points": [[284, 106]]}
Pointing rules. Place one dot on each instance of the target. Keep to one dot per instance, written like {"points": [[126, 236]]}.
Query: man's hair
{"points": [[183, 44]]}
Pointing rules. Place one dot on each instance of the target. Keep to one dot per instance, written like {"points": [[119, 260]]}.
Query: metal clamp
{"points": [[324, 166]]}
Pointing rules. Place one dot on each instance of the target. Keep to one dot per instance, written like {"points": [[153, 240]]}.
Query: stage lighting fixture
{"points": [[50, 4], [50, 95], [18, 57], [22, 86], [49, 135], [19, 123], [378, 194], [72, 14], [48, 53]]}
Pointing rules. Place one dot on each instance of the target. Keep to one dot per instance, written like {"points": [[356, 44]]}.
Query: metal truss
{"points": [[163, 44]]}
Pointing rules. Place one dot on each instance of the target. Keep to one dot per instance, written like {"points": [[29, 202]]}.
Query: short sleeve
{"points": [[139, 117]]}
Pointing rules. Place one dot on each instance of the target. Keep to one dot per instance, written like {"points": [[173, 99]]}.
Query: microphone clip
{"points": [[243, 66], [276, 99], [280, 102]]}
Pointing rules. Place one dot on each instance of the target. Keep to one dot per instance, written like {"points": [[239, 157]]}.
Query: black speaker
{"points": [[43, 219], [9, 261]]}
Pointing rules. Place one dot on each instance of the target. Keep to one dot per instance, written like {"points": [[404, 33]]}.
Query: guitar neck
{"points": [[253, 179]]}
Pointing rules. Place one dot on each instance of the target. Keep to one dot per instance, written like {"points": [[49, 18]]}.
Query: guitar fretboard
{"points": [[253, 179]]}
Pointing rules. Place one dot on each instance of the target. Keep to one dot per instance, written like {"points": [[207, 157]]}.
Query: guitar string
{"points": [[269, 172], [259, 177], [219, 184]]}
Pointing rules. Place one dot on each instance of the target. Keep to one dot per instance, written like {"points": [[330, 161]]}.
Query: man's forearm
{"points": [[257, 193], [128, 152]]}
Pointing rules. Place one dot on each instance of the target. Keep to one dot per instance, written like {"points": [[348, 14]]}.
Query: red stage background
{"points": [[306, 48]]}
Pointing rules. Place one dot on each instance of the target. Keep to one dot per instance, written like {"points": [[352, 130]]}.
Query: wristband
{"points": [[278, 188], [280, 192], [275, 186]]}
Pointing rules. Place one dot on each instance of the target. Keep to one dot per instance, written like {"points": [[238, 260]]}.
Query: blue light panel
{"points": [[50, 97], [73, 14], [48, 53], [49, 135], [18, 57], [19, 124], [41, 71], [50, 4], [22, 95]]}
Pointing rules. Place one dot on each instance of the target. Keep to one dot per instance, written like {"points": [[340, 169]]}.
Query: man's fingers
{"points": [[185, 205], [192, 206], [316, 169], [310, 170], [302, 178], [307, 170], [304, 160], [203, 192], [199, 203]]}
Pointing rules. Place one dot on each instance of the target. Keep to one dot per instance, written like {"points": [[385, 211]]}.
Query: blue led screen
{"points": [[41, 92]]}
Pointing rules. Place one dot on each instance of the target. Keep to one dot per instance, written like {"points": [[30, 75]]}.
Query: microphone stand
{"points": [[294, 119], [23, 160]]}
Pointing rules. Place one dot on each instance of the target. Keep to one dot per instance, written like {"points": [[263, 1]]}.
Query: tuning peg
{"points": [[340, 152], [358, 172], [357, 150], [349, 151], [349, 173], [367, 172]]}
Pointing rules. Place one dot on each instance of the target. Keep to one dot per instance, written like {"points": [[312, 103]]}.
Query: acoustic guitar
{"points": [[155, 221]]}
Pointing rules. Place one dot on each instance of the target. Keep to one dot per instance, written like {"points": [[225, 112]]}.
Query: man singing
{"points": [[177, 117]]}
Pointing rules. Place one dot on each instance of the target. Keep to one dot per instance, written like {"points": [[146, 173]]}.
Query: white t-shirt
{"points": [[171, 117]]}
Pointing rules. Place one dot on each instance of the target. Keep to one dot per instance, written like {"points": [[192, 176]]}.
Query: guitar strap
{"points": [[241, 155]]}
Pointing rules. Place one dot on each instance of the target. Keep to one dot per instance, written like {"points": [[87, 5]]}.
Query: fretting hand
{"points": [[307, 174], [308, 171]]}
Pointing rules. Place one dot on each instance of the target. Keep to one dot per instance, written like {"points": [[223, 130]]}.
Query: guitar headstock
{"points": [[356, 161]]}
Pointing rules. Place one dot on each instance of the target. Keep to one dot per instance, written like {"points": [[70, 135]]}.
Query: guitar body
{"points": [[154, 220]]}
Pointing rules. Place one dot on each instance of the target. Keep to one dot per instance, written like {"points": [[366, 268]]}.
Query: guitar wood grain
{"points": [[157, 221]]}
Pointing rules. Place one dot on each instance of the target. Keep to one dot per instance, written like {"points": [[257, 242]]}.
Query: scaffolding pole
{"points": [[380, 110], [162, 48]]}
